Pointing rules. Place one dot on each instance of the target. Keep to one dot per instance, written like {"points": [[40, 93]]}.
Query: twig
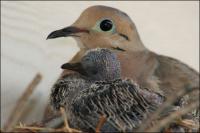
{"points": [[171, 99], [35, 128], [18, 109], [42, 129], [66, 125], [102, 120], [173, 116]]}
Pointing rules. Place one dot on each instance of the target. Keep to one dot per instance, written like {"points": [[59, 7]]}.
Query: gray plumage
{"points": [[119, 100], [66, 89], [100, 91]]}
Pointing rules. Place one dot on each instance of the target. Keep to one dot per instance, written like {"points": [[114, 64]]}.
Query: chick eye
{"points": [[106, 25], [86, 59]]}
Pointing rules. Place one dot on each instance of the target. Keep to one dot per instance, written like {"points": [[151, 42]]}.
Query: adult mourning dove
{"points": [[100, 91], [106, 27]]}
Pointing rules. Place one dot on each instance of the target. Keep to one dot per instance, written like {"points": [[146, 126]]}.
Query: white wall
{"points": [[169, 28]]}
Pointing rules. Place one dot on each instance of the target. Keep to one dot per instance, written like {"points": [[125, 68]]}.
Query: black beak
{"points": [[69, 31], [74, 67]]}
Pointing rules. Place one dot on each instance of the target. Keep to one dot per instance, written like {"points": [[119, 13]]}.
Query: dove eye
{"points": [[105, 25]]}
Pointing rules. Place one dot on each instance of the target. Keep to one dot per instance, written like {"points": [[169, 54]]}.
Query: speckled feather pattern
{"points": [[65, 89], [119, 100], [84, 101], [106, 63]]}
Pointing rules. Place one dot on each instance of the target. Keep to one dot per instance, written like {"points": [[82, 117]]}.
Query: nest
{"points": [[57, 122]]}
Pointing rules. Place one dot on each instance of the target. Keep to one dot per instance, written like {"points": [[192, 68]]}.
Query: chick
{"points": [[97, 89]]}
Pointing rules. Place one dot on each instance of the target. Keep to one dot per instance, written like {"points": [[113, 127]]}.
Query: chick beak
{"points": [[77, 67], [65, 32]]}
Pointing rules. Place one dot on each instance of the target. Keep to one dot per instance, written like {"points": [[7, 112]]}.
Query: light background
{"points": [[169, 28]]}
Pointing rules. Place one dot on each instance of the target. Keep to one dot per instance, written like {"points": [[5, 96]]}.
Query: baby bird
{"points": [[97, 90]]}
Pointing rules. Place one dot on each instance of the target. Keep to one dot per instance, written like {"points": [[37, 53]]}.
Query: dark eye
{"points": [[86, 59], [106, 25]]}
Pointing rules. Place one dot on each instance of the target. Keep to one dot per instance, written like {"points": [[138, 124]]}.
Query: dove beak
{"points": [[65, 32]]}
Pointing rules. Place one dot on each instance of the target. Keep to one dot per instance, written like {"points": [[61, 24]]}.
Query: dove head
{"points": [[104, 27], [97, 64]]}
